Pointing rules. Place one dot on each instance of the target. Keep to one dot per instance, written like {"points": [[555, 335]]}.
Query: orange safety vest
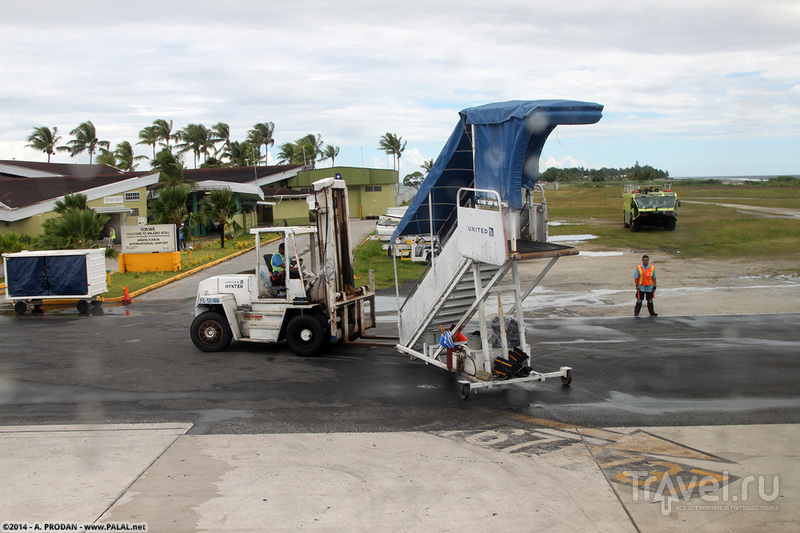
{"points": [[646, 275]]}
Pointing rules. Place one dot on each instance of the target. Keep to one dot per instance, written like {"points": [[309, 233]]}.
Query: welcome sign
{"points": [[153, 238]]}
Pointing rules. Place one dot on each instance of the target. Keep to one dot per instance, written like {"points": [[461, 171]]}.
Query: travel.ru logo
{"points": [[671, 490]]}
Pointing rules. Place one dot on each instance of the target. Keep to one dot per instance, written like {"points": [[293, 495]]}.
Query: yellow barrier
{"points": [[156, 262]]}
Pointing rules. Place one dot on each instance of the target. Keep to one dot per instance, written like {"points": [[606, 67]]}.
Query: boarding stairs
{"points": [[447, 294]]}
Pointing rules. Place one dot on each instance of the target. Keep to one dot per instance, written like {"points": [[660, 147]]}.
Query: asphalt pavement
{"points": [[521, 472]]}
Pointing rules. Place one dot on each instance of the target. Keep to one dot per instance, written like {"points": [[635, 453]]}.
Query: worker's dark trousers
{"points": [[640, 295]]}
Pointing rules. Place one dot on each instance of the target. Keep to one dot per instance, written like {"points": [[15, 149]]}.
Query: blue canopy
{"points": [[494, 146]]}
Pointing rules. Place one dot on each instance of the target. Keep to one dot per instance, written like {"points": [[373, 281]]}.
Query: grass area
{"points": [[371, 255], [190, 259], [702, 230]]}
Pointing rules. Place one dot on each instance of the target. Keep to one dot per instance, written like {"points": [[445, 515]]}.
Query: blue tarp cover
{"points": [[494, 146], [29, 277]]}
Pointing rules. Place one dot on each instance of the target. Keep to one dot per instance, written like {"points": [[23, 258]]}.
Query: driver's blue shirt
{"points": [[278, 263]]}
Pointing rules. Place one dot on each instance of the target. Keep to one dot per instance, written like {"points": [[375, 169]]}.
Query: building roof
{"points": [[276, 192], [35, 169], [256, 175], [30, 188]]}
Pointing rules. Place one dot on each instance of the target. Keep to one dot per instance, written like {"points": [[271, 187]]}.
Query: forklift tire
{"points": [[305, 335], [211, 332]]}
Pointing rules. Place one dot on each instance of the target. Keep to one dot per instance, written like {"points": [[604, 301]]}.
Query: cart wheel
{"points": [[210, 332], [566, 380], [97, 311], [305, 335], [82, 306], [20, 307], [464, 391]]}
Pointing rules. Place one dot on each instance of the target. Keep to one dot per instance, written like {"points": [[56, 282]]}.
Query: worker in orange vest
{"points": [[644, 280]]}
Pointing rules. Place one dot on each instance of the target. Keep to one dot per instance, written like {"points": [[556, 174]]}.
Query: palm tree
{"points": [[197, 138], [150, 136], [13, 243], [221, 132], [44, 139], [262, 133], [163, 130], [85, 141], [78, 226], [170, 170], [125, 158], [220, 207], [106, 157], [330, 152], [170, 206], [427, 165], [71, 201], [286, 154], [393, 145], [242, 154]]}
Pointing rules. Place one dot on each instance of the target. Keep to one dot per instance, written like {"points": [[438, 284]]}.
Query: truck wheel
{"points": [[636, 225], [669, 225], [305, 335], [211, 332]]}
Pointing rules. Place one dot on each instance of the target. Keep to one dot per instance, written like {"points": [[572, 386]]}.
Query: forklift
{"points": [[317, 302]]}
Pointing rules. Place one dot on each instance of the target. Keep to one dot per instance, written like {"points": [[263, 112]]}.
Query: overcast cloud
{"points": [[699, 88]]}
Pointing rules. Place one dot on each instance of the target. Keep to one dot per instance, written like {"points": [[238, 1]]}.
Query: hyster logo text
{"points": [[482, 231]]}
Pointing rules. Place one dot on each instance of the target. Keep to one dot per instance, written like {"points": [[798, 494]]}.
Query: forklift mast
{"points": [[333, 227]]}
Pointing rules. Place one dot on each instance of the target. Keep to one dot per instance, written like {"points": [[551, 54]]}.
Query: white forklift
{"points": [[318, 302]]}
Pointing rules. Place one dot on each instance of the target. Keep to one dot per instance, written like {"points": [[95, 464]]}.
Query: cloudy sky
{"points": [[695, 87]]}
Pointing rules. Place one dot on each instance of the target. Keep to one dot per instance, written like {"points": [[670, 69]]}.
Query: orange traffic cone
{"points": [[126, 300]]}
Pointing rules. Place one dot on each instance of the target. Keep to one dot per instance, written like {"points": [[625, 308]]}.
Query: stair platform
{"points": [[536, 250]]}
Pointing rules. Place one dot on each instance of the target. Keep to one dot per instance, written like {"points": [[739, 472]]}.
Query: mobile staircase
{"points": [[473, 202]]}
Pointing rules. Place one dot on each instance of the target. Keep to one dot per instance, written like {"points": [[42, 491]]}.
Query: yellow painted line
{"points": [[543, 422]]}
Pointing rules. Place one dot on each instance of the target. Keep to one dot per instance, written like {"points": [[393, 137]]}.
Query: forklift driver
{"points": [[279, 267]]}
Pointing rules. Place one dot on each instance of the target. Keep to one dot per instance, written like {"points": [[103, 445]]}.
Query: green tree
{"points": [[11, 243], [44, 139], [149, 136], [304, 151], [122, 157], [77, 227], [393, 145], [220, 207], [85, 141], [262, 134], [170, 170], [427, 165], [106, 157], [414, 179], [77, 201], [170, 207], [330, 152], [221, 132], [242, 154], [163, 130], [195, 138]]}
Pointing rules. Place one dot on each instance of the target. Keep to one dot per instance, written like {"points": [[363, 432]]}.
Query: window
{"points": [[372, 188], [133, 196]]}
